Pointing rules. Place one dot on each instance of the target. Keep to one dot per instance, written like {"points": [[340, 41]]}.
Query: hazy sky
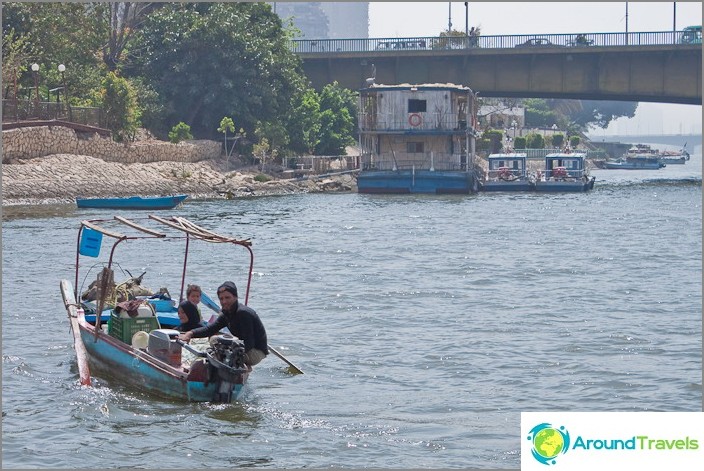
{"points": [[401, 19]]}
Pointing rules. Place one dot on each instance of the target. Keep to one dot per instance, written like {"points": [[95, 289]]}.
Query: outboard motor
{"points": [[226, 358]]}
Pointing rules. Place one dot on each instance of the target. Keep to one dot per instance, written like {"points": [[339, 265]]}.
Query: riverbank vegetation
{"points": [[155, 65]]}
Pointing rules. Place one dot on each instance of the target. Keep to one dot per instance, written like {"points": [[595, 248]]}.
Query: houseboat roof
{"points": [[566, 155], [421, 86], [509, 155]]}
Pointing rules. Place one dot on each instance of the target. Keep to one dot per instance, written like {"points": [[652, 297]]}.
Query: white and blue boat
{"points": [[507, 172], [133, 202], [635, 163], [564, 172], [139, 348]]}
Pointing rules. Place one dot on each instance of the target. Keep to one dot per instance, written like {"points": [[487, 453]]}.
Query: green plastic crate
{"points": [[125, 328]]}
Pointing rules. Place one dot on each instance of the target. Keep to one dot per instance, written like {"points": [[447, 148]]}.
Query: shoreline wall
{"points": [[32, 142]]}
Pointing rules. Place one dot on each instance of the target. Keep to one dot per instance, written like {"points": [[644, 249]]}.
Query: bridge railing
{"points": [[532, 41]]}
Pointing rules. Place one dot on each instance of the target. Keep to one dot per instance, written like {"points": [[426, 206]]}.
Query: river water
{"points": [[424, 326]]}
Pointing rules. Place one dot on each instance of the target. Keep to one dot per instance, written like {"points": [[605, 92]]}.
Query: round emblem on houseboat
{"points": [[415, 120]]}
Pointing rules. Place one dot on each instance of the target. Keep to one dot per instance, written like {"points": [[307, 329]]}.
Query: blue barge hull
{"points": [[418, 181]]}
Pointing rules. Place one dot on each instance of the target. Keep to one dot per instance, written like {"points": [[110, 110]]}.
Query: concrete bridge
{"points": [[662, 67]]}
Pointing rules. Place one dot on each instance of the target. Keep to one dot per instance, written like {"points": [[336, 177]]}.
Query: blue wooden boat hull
{"points": [[418, 181], [142, 371], [133, 202]]}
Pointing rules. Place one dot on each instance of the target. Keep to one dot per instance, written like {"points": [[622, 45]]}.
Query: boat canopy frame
{"points": [[186, 230]]}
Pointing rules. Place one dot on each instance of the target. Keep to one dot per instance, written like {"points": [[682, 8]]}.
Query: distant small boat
{"points": [[674, 157], [132, 202], [635, 163]]}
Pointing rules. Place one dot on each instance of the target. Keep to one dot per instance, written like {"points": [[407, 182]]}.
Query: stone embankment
{"points": [[54, 165]]}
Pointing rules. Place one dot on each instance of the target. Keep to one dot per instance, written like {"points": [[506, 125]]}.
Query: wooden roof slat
{"points": [[134, 225], [102, 230], [196, 231]]}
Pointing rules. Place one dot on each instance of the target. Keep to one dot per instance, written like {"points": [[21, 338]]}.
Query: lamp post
{"points": [[14, 71], [514, 125], [449, 17], [35, 73], [466, 18], [62, 69]]}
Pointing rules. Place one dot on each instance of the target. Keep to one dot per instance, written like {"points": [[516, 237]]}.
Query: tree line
{"points": [[181, 69]]}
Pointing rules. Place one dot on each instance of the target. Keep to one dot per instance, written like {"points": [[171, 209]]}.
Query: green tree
{"points": [[538, 113], [519, 143], [535, 141], [558, 140], [208, 60], [16, 52], [226, 124], [494, 137], [574, 141], [180, 132], [304, 122], [273, 141], [119, 102], [338, 111], [585, 113], [68, 33]]}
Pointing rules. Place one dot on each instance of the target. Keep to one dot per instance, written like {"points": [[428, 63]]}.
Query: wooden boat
{"points": [[132, 202], [507, 172], [564, 172], [135, 349]]}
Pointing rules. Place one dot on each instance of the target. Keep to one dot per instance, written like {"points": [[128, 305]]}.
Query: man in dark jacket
{"points": [[243, 322]]}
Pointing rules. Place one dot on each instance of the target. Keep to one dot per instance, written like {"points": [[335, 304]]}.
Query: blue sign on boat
{"points": [[90, 242]]}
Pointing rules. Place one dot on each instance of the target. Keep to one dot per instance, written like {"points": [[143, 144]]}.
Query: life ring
{"points": [[415, 120]]}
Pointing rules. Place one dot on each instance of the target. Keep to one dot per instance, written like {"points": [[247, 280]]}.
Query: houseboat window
{"points": [[416, 106], [414, 147]]}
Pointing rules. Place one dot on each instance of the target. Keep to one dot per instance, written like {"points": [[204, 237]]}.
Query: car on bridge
{"points": [[411, 44], [691, 35], [538, 42]]}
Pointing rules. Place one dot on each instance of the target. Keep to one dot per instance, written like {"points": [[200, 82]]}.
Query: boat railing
{"points": [[440, 161], [422, 122], [506, 173], [562, 172]]}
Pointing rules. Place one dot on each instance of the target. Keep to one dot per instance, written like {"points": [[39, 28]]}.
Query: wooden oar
{"points": [[208, 301]]}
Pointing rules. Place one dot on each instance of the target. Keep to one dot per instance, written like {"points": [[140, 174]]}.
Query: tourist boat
{"points": [[133, 202], [507, 172], [136, 349], [564, 172], [634, 163], [408, 146], [640, 152]]}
